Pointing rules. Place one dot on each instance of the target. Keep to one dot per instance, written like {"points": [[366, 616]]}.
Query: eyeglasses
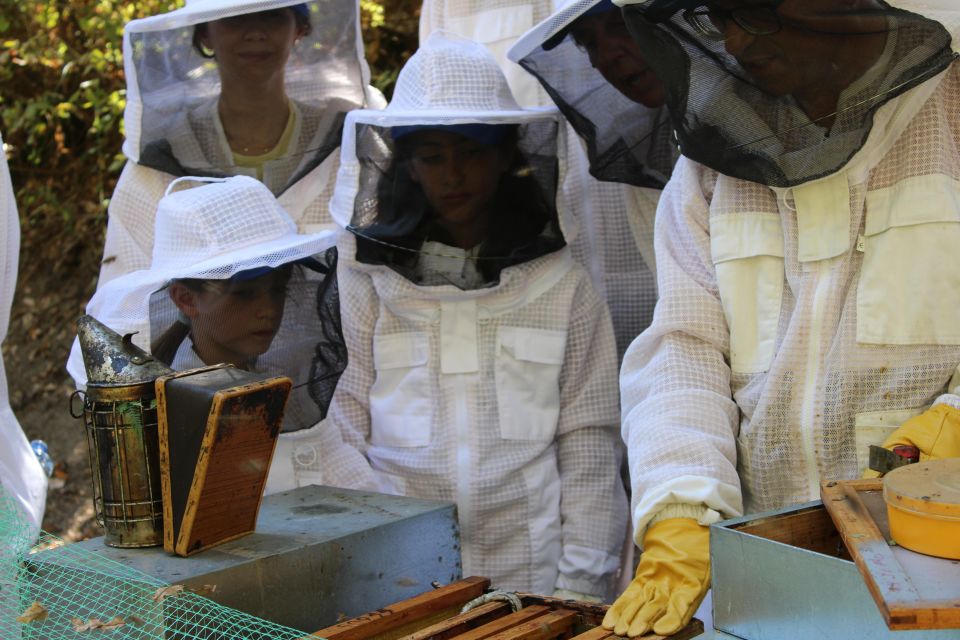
{"points": [[757, 20]]}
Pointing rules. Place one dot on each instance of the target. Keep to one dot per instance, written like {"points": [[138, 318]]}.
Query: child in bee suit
{"points": [[482, 362], [231, 281]]}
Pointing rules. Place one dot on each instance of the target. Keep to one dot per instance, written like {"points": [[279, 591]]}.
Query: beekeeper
{"points": [[481, 357], [806, 256], [241, 87], [588, 64], [21, 474], [232, 281]]}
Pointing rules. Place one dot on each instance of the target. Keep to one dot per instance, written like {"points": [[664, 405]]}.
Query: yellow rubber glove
{"points": [[672, 578], [936, 432]]}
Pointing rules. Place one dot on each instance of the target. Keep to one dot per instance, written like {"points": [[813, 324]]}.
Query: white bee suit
{"points": [[797, 326], [496, 396], [173, 128], [20, 472]]}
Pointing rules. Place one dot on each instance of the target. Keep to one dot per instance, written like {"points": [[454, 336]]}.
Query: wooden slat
{"points": [[597, 633], [424, 608], [461, 623], [890, 582], [692, 630], [507, 622], [558, 623]]}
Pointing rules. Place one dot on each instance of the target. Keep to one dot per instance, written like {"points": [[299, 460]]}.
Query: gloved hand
{"points": [[566, 594], [672, 578], [936, 432]]}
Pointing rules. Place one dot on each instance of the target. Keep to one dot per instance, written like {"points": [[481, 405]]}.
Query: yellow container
{"points": [[923, 505]]}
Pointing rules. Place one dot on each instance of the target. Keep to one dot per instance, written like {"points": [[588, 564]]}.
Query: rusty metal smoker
{"points": [[120, 414]]}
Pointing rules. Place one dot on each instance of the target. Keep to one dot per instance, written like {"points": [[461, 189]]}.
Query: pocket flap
{"points": [[400, 350], [493, 25], [917, 200], [745, 235], [535, 345]]}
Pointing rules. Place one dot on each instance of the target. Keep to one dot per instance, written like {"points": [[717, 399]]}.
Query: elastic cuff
{"points": [[581, 585], [701, 513], [949, 399], [567, 594]]}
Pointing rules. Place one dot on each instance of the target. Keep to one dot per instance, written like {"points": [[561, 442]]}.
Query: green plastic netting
{"points": [[73, 593]]}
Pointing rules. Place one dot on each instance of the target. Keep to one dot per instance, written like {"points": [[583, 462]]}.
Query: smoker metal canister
{"points": [[120, 414]]}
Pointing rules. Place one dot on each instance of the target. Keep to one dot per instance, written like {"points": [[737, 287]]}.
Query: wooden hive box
{"points": [[435, 615]]}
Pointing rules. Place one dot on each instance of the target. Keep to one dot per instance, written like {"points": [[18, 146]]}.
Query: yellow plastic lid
{"points": [[930, 489]]}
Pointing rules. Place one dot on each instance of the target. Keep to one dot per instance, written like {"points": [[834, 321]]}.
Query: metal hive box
{"points": [[786, 575]]}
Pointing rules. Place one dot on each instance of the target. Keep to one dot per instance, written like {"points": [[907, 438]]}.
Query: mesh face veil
{"points": [[181, 64], [453, 182], [594, 72], [784, 92], [277, 321], [232, 281]]}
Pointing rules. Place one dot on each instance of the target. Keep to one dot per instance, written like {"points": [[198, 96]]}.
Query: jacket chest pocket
{"points": [[400, 406], [527, 370], [909, 288], [747, 252]]}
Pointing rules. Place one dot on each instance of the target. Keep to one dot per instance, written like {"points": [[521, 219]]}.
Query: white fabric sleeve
{"points": [[21, 476], [130, 221], [593, 510], [592, 499], [679, 420], [349, 411], [319, 455]]}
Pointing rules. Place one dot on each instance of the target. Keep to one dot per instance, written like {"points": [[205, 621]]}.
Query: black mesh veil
{"points": [[305, 343], [394, 221], [627, 142], [781, 93], [175, 82]]}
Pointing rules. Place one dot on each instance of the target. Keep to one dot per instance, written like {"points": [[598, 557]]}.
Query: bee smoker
{"points": [[120, 414]]}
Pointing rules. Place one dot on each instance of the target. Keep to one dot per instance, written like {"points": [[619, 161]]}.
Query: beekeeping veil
{"points": [[451, 85], [173, 85], [258, 289], [738, 73], [627, 141]]}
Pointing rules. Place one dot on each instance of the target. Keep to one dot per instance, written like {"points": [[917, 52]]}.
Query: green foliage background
{"points": [[61, 110]]}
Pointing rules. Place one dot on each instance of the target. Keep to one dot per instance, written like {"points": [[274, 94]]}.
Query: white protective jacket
{"points": [[797, 326], [615, 240], [20, 472], [500, 398]]}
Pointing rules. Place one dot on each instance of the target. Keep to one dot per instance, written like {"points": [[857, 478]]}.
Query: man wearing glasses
{"points": [[807, 258]]}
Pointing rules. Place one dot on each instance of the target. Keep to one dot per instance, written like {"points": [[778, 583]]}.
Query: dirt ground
{"points": [[55, 279]]}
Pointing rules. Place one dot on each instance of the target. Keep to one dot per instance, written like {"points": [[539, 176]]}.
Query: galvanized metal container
{"points": [[785, 575], [318, 554]]}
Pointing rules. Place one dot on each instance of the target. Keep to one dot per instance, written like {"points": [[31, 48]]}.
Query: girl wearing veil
{"points": [[482, 361]]}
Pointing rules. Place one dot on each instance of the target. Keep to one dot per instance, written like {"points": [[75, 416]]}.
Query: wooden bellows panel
{"points": [[218, 427], [435, 615], [912, 590]]}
